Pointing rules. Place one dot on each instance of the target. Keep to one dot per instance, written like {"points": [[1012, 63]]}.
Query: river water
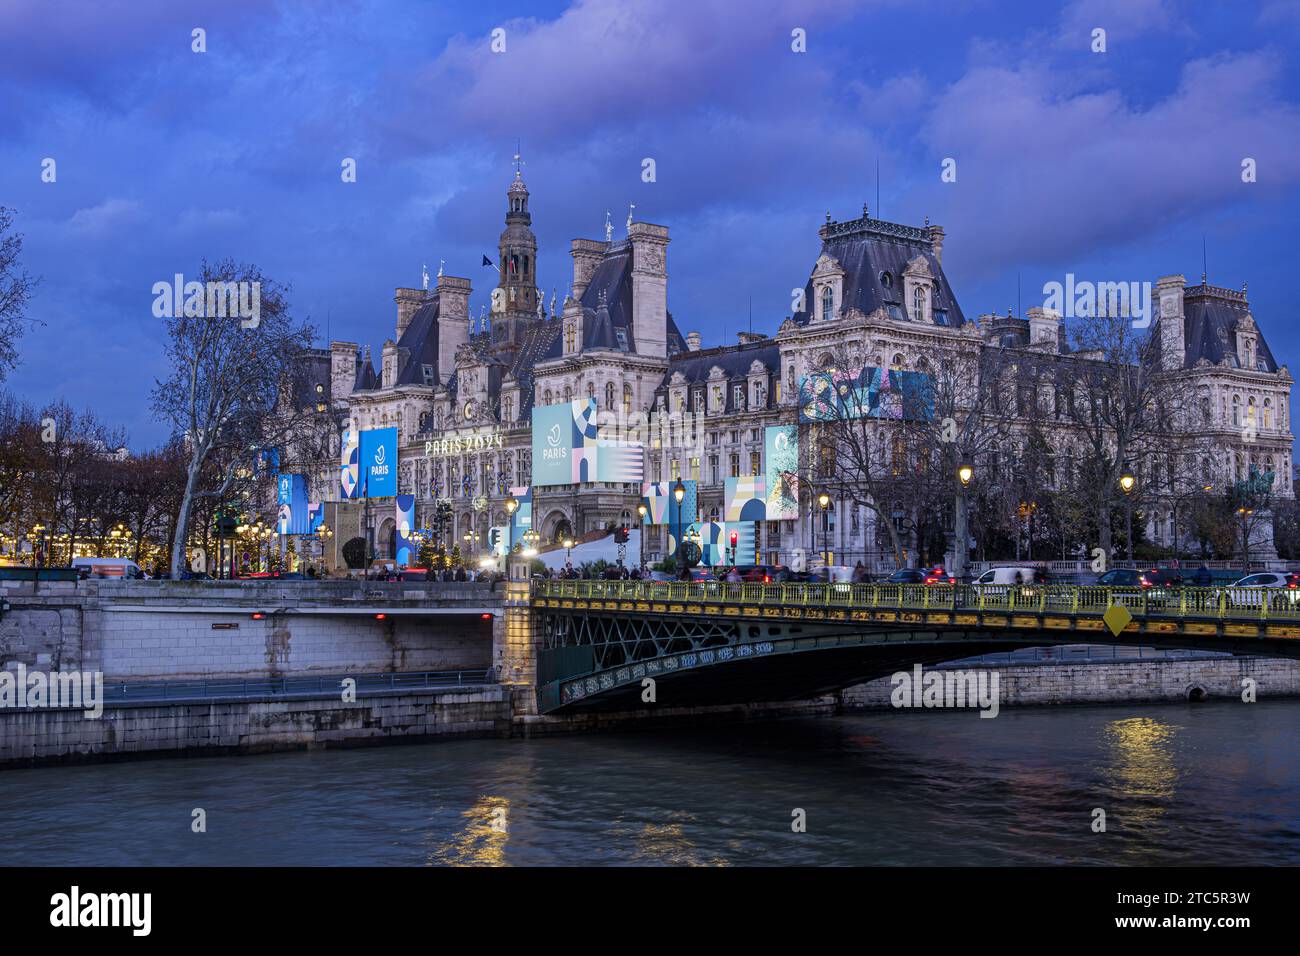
{"points": [[1211, 783]]}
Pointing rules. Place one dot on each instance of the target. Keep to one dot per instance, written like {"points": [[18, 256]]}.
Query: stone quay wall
{"points": [[1113, 682]]}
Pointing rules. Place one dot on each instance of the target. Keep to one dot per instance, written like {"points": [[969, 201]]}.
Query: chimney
{"points": [[587, 254], [1044, 327], [749, 338], [453, 322], [936, 241], [692, 341], [344, 357], [1169, 300], [388, 365], [408, 302], [649, 288]]}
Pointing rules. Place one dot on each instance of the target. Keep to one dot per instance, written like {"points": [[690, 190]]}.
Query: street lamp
{"points": [[1127, 483], [568, 550], [642, 511], [961, 521], [38, 534], [824, 501], [679, 492], [1245, 535]]}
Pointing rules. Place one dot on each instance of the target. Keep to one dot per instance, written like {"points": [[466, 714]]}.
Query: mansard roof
{"points": [[539, 341], [735, 361], [867, 249], [1210, 330], [607, 308], [366, 379], [312, 370], [418, 346]]}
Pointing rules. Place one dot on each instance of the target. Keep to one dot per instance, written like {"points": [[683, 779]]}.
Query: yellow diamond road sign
{"points": [[1117, 617]]}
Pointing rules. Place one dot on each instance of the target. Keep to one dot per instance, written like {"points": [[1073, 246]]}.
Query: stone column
{"points": [[514, 641]]}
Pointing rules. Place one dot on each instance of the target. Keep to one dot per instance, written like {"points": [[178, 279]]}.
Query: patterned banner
{"points": [[746, 498], [781, 448], [404, 547]]}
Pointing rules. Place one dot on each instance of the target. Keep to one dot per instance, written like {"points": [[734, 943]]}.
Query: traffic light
{"points": [[734, 538], [621, 534]]}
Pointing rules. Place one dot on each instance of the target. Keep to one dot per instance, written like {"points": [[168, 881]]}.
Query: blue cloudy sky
{"points": [[1109, 165]]}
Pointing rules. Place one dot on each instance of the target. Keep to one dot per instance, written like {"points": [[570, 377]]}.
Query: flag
{"points": [[487, 261]]}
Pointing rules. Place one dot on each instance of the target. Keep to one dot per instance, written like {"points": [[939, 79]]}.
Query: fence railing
{"points": [[314, 686], [1094, 600]]}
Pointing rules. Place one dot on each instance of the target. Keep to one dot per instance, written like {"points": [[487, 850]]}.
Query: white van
{"points": [[997, 580], [107, 568]]}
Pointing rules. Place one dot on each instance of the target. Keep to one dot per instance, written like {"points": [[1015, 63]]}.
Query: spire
{"points": [[630, 207], [518, 163]]}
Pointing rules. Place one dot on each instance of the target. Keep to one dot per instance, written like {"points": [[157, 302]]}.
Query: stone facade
{"points": [[461, 394]]}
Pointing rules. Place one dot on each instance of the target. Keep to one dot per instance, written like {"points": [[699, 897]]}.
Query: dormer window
{"points": [[828, 304], [918, 303], [886, 280]]}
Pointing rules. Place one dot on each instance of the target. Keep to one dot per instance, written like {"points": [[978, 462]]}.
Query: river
{"points": [[1212, 783]]}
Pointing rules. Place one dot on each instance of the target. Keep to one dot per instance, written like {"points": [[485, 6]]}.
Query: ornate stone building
{"points": [[461, 396]]}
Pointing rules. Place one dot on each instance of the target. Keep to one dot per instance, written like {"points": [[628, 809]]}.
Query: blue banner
{"points": [[379, 463]]}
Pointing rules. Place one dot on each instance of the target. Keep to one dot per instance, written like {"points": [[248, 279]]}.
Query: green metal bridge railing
{"points": [[1218, 604]]}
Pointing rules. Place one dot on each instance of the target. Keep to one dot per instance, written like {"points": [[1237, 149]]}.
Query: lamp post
{"points": [[512, 505], [679, 493], [1127, 483], [324, 533], [38, 535], [824, 501], [568, 550], [642, 511], [961, 521], [1245, 536]]}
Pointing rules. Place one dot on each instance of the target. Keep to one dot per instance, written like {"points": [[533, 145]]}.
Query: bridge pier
{"points": [[514, 642]]}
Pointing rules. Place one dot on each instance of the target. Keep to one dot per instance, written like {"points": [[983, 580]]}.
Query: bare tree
{"points": [[223, 395], [15, 290], [1119, 404], [954, 419]]}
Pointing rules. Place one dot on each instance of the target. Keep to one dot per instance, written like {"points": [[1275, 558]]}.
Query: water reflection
{"points": [[482, 839], [1142, 773]]}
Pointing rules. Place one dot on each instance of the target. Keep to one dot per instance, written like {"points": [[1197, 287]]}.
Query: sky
{"points": [[1115, 165]]}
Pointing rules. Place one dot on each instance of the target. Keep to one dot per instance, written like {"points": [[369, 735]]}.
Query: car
{"points": [[108, 568], [1282, 589], [1151, 588], [938, 575], [998, 582], [763, 573], [906, 576]]}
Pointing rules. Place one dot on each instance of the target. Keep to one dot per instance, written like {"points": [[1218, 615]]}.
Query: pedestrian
{"points": [[1202, 578]]}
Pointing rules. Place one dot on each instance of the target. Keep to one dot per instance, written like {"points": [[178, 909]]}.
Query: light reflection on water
{"points": [[1215, 783]]}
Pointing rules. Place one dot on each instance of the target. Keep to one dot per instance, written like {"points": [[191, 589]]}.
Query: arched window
{"points": [[897, 363], [1236, 411], [549, 397], [609, 395], [627, 399], [918, 303], [591, 389], [828, 303], [1268, 413], [568, 394], [525, 266]]}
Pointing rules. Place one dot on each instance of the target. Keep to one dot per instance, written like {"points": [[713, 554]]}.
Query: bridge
{"points": [[718, 643]]}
